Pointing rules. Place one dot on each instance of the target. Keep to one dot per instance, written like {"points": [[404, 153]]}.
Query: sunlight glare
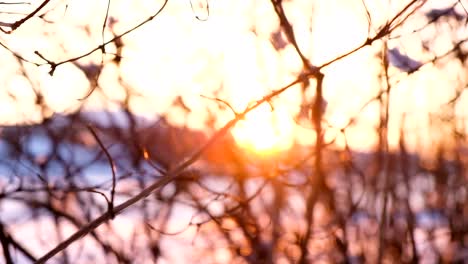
{"points": [[264, 131]]}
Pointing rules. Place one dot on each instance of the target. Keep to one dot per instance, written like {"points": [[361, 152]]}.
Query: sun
{"points": [[264, 131]]}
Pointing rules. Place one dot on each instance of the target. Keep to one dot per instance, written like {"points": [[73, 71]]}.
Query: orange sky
{"points": [[177, 54]]}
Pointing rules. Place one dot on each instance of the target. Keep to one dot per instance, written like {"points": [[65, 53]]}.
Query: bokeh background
{"points": [[389, 184]]}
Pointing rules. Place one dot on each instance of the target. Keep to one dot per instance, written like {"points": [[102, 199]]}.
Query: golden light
{"points": [[264, 131]]}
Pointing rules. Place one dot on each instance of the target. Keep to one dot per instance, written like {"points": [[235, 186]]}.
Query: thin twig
{"points": [[111, 164], [54, 65], [18, 23]]}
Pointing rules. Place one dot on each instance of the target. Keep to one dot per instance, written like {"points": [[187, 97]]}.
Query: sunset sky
{"points": [[177, 54], [201, 58]]}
